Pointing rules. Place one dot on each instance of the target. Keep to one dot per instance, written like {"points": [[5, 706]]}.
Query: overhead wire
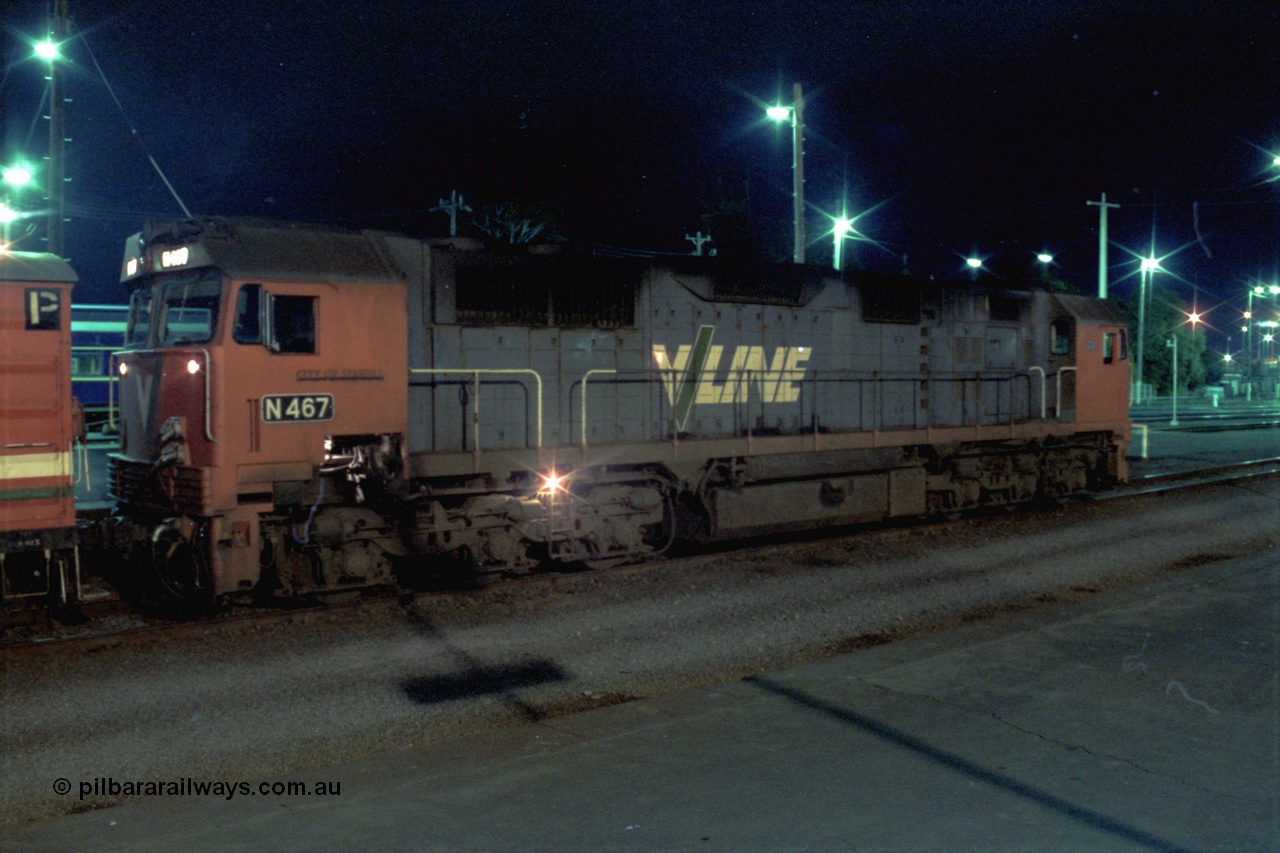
{"points": [[133, 130]]}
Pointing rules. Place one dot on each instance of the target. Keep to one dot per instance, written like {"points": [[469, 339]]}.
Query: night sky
{"points": [[963, 126]]}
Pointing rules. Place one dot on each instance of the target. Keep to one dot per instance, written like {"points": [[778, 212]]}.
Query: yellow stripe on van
{"points": [[18, 466]]}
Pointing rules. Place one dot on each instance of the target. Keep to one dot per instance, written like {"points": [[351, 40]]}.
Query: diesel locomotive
{"points": [[308, 410]]}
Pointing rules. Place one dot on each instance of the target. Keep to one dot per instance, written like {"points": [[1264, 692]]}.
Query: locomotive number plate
{"points": [[296, 408]]}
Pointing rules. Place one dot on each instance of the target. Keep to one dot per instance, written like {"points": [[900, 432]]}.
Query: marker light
{"points": [[124, 368], [193, 367]]}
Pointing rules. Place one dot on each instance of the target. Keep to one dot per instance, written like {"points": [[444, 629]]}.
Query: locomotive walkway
{"points": [[1233, 432], [1140, 719]]}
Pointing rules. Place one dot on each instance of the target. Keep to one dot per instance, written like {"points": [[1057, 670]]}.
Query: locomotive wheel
{"points": [[180, 560]]}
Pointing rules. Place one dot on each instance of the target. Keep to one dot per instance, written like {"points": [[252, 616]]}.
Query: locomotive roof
{"points": [[282, 251], [35, 266], [1088, 308]]}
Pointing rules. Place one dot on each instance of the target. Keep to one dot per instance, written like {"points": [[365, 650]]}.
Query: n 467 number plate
{"points": [[295, 408]]}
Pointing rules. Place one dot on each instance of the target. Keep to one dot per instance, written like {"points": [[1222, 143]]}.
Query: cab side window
{"points": [[293, 324], [1060, 337], [1108, 347], [248, 323]]}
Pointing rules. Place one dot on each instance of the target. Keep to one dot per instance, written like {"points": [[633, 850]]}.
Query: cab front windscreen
{"points": [[182, 309], [186, 309]]}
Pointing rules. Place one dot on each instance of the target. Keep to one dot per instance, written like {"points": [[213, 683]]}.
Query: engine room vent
{"points": [[525, 291], [894, 300]]}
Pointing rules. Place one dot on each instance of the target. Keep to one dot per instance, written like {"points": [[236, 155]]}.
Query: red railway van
{"points": [[37, 496]]}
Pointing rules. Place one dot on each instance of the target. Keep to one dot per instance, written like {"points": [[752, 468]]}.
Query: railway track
{"points": [[1173, 480], [112, 621]]}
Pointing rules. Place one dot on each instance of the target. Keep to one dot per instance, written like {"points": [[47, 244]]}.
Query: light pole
{"points": [[7, 217], [56, 175], [1265, 352], [1259, 291], [1149, 267], [1102, 242], [795, 113]]}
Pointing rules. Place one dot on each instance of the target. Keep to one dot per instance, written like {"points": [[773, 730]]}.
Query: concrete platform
{"points": [[1172, 451], [1145, 719]]}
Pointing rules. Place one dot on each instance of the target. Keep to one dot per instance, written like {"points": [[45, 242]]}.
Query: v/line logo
{"points": [[691, 375]]}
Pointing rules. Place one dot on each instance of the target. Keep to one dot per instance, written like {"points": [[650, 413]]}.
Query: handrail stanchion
{"points": [[1057, 404], [477, 373], [585, 377]]}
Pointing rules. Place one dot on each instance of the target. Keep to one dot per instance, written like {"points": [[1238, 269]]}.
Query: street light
{"points": [[1045, 259], [795, 113], [840, 229], [47, 50], [1149, 267], [16, 176], [974, 263]]}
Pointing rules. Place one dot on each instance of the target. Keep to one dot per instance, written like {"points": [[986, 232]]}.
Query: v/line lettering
{"points": [[694, 374]]}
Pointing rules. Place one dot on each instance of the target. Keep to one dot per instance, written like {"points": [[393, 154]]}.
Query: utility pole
{"points": [[452, 206], [57, 131], [1102, 242], [698, 241], [797, 169]]}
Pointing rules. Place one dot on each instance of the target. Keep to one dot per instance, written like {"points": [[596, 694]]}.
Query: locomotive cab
{"points": [[242, 381]]}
